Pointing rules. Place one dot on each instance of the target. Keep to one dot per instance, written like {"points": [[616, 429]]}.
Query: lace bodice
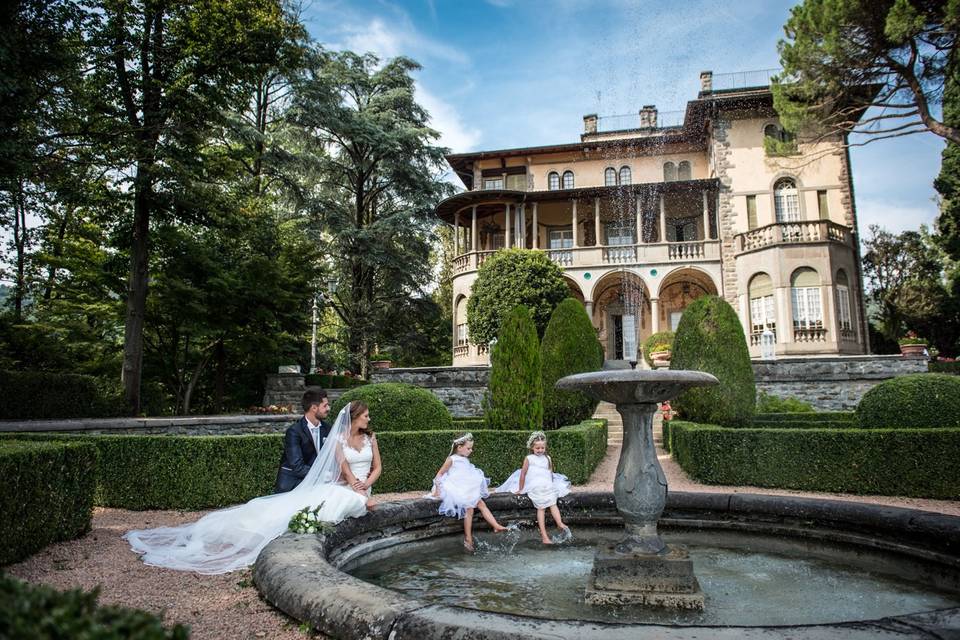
{"points": [[359, 460]]}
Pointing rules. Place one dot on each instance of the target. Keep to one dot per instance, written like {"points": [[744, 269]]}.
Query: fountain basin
{"points": [[304, 575]]}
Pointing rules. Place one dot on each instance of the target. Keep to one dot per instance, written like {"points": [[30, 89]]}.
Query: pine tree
{"points": [[515, 396], [569, 346]]}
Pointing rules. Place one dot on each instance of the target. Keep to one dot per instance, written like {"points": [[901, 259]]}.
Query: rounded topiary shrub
{"points": [[660, 337], [915, 401], [569, 346], [509, 278], [395, 406], [710, 338], [514, 399]]}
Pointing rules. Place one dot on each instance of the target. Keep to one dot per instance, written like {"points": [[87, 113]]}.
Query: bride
{"points": [[229, 539]]}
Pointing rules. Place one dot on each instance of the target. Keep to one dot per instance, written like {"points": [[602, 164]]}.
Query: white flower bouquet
{"points": [[308, 520]]}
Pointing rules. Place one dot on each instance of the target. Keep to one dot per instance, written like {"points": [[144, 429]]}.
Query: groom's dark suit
{"points": [[299, 453]]}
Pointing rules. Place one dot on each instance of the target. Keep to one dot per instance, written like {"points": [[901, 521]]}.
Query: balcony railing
{"points": [[809, 335], [743, 79], [461, 263], [799, 232]]}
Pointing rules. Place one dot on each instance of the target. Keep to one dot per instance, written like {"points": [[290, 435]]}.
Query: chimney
{"points": [[590, 123], [706, 81], [648, 116]]}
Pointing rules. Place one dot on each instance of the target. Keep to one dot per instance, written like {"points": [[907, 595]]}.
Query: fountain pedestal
{"points": [[641, 568]]}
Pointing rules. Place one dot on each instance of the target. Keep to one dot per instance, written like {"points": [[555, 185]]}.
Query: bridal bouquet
{"points": [[308, 520]]}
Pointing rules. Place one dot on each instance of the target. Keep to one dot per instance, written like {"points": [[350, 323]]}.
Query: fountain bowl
{"points": [[635, 386]]}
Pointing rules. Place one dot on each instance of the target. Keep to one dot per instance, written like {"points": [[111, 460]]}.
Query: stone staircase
{"points": [[607, 411]]}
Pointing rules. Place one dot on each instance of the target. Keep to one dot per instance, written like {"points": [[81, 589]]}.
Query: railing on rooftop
{"points": [[743, 79], [624, 121]]}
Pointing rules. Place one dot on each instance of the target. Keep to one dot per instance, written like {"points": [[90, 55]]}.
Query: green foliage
{"points": [[895, 462], [47, 495], [773, 147], [919, 401], [938, 366], [710, 338], [660, 337], [40, 612], [411, 459], [328, 381], [395, 406], [767, 403], [567, 348], [29, 395], [515, 396], [509, 278]]}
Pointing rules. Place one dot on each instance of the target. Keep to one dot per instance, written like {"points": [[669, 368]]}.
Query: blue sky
{"points": [[511, 73]]}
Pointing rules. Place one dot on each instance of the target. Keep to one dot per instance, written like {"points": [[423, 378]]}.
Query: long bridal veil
{"points": [[232, 538]]}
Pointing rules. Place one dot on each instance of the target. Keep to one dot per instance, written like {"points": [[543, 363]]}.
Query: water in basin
{"points": [[516, 574]]}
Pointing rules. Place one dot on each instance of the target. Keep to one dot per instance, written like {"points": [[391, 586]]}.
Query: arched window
{"points": [[553, 181], [805, 299], [843, 302], [610, 177], [786, 200], [762, 311], [625, 175], [669, 172], [683, 170], [568, 179], [460, 311]]}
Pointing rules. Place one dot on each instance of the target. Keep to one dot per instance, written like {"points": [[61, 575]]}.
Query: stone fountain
{"points": [[641, 568]]}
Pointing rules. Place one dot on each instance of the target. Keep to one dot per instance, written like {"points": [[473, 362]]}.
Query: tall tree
{"points": [[164, 70], [378, 184], [841, 57]]}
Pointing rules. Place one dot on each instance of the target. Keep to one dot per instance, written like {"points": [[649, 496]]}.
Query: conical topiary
{"points": [[569, 346], [515, 396], [710, 338]]}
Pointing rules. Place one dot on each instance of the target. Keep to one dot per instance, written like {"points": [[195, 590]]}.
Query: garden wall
{"points": [[461, 389], [191, 426]]}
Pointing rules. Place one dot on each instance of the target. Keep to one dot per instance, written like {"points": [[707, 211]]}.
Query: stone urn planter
{"points": [[661, 359], [381, 364], [913, 350]]}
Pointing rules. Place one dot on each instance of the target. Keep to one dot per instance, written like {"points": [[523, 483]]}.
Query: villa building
{"points": [[646, 216]]}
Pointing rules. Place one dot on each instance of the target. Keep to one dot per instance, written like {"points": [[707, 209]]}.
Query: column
{"points": [[522, 226], [706, 217], [536, 228], [596, 221], [784, 314], [639, 237], [473, 230], [654, 315], [456, 233], [576, 239], [507, 228], [828, 299], [589, 305], [663, 220]]}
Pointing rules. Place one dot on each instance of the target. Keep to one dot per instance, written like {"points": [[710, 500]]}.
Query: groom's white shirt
{"points": [[314, 433]]}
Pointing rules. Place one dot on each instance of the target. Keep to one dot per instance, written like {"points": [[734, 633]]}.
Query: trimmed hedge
{"points": [[514, 399], [568, 347], [810, 418], [918, 401], [767, 403], [411, 460], [923, 463], [40, 612], [952, 368], [396, 406], [660, 337], [468, 424], [40, 395], [47, 496], [197, 472], [328, 381], [710, 338]]}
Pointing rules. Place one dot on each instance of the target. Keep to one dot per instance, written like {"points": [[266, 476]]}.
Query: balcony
{"points": [[791, 233]]}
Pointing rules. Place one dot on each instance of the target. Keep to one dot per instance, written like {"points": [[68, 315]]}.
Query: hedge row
{"points": [[47, 495], [328, 381], [197, 472], [40, 612], [40, 395], [944, 367], [922, 463], [809, 418]]}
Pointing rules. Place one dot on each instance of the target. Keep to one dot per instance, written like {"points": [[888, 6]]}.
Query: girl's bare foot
{"points": [[468, 545], [499, 528], [547, 541]]}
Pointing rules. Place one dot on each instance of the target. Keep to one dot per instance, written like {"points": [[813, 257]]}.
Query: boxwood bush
{"points": [[660, 337], [41, 395], [710, 338], [941, 366], [917, 400], [568, 347], [47, 496], [328, 381], [396, 406], [767, 403], [40, 612], [921, 463]]}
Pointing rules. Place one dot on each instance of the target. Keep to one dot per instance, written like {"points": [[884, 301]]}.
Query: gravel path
{"points": [[228, 606]]}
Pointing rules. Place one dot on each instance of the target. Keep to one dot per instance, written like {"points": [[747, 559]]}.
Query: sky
{"points": [[516, 73]]}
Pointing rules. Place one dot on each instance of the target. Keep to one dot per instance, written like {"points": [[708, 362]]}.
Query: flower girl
{"points": [[537, 479], [461, 488]]}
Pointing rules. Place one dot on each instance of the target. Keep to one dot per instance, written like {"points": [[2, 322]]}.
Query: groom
{"points": [[303, 440]]}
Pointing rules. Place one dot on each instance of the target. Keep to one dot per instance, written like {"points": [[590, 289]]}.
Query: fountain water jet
{"points": [[641, 568]]}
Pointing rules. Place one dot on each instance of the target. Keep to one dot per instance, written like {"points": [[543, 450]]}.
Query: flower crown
{"points": [[535, 436], [467, 437]]}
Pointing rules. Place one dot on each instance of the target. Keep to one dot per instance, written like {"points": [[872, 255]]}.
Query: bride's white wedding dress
{"points": [[232, 538]]}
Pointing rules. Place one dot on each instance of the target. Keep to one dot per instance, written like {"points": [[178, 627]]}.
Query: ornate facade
{"points": [[645, 219]]}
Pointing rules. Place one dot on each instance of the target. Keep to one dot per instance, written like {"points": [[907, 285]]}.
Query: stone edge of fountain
{"points": [[299, 574]]}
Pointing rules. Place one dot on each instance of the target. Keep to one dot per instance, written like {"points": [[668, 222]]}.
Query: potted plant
{"points": [[660, 354], [912, 346]]}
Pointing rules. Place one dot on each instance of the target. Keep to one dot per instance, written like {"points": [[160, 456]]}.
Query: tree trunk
{"points": [[20, 242], [137, 288], [57, 253]]}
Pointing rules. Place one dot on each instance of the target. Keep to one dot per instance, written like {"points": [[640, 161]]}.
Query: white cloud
{"points": [[391, 40], [454, 133], [893, 216]]}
